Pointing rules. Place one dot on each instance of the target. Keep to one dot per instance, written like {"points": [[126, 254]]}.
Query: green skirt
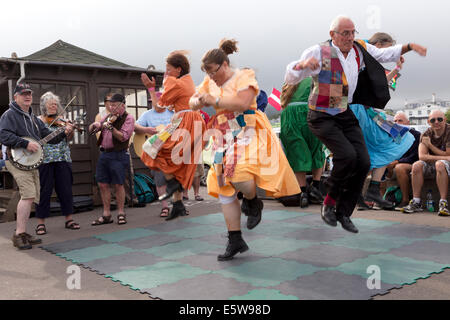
{"points": [[303, 150]]}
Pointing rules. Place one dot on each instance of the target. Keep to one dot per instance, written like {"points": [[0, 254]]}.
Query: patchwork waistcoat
{"points": [[329, 92]]}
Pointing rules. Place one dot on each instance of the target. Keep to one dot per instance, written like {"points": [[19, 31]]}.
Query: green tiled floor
{"points": [[293, 255]]}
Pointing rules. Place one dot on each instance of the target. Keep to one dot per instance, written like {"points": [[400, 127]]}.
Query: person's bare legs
{"points": [[23, 215], [377, 174], [248, 189], [162, 190], [196, 186], [417, 179], [232, 215], [105, 192], [317, 174], [402, 173], [301, 178], [442, 179], [120, 198]]}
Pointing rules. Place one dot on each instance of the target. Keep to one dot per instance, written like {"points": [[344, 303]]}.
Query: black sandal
{"points": [[41, 230], [70, 224], [121, 219], [164, 212], [103, 220]]}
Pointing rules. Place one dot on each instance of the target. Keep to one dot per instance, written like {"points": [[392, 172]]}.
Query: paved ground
{"points": [[36, 274]]}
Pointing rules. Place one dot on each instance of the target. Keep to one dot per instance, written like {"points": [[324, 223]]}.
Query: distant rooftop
{"points": [[64, 52]]}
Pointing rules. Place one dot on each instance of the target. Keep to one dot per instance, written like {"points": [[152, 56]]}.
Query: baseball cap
{"points": [[22, 87], [118, 98]]}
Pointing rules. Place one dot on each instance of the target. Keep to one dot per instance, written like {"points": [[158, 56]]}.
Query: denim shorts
{"points": [[112, 167]]}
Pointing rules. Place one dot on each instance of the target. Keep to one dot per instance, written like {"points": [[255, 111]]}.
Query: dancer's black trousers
{"points": [[342, 135]]}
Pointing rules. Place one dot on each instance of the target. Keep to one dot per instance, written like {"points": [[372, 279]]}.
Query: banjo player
{"points": [[16, 123]]}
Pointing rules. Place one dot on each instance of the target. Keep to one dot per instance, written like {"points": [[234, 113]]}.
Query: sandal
{"points": [[121, 219], [41, 230], [70, 224], [164, 212], [198, 198], [103, 220]]}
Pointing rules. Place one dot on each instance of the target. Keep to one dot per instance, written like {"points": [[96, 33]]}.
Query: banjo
{"points": [[26, 160]]}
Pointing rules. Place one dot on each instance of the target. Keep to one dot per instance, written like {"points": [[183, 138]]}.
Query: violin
{"points": [[110, 119], [55, 121]]}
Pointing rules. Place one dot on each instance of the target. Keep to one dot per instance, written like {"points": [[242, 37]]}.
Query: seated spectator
{"points": [[434, 159], [402, 167]]}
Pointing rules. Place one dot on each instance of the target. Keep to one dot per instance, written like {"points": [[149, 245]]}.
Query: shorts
{"points": [[429, 170], [159, 178], [199, 171], [112, 167], [27, 181]]}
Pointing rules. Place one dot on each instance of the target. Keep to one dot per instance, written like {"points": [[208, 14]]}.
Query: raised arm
{"points": [[308, 65]]}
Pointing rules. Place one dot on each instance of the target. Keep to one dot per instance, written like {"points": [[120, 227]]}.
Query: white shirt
{"points": [[349, 64]]}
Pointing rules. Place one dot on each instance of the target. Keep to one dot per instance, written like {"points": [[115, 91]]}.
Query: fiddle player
{"points": [[56, 168], [114, 161], [15, 124]]}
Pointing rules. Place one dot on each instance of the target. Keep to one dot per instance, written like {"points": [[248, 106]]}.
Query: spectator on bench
{"points": [[434, 158], [402, 167]]}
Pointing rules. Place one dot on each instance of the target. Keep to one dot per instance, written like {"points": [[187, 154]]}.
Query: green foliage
{"points": [[447, 116]]}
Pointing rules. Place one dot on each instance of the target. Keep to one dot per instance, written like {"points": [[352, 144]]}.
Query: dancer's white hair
{"points": [[336, 21], [402, 113]]}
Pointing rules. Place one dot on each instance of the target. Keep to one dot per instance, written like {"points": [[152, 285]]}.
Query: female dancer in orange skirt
{"points": [[176, 150], [247, 153]]}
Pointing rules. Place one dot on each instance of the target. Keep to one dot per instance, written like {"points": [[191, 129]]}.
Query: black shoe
{"points": [[304, 200], [235, 245], [347, 224], [373, 195], [328, 214], [252, 209], [315, 196], [178, 210], [172, 186], [362, 204]]}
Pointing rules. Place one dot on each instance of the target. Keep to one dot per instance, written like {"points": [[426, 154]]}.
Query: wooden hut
{"points": [[69, 71]]}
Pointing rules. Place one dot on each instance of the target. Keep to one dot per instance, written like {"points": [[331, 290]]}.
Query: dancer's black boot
{"points": [[373, 194], [235, 245], [172, 186], [178, 210], [253, 209]]}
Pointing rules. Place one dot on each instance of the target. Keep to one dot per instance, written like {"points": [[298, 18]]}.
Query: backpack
{"points": [[144, 188], [394, 195]]}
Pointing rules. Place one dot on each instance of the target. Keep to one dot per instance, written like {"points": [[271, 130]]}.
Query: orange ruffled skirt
{"points": [[181, 153], [264, 162]]}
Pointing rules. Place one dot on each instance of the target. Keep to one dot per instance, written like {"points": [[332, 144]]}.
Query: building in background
{"points": [[419, 111]]}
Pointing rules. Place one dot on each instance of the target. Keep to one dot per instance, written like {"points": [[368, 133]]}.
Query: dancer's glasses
{"points": [[347, 33], [213, 73], [436, 119]]}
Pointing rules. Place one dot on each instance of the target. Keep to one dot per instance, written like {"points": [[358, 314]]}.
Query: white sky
{"points": [[270, 33]]}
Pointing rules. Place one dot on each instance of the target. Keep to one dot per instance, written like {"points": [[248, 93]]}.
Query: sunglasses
{"points": [[438, 119]]}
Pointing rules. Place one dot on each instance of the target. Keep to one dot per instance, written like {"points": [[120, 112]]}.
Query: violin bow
{"points": [[57, 117]]}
